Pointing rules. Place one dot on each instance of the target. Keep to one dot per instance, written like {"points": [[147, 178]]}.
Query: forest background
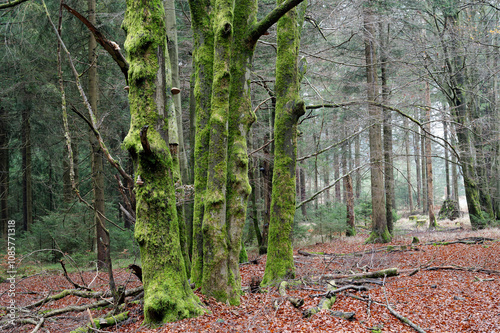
{"points": [[433, 104]]}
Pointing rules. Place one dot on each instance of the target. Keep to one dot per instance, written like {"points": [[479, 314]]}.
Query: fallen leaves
{"points": [[461, 294]]}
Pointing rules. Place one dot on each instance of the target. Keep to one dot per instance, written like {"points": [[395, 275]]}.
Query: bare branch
{"points": [[10, 4]]}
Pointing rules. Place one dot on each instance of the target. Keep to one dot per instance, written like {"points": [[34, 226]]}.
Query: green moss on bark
{"points": [[203, 53], [289, 108], [379, 237]]}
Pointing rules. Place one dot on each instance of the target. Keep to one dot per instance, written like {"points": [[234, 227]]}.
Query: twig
{"points": [[39, 325], [76, 285]]}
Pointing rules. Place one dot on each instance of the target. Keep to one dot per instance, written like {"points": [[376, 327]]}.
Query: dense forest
{"points": [[184, 137]]}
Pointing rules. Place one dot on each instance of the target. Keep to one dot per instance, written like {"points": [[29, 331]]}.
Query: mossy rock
{"points": [[449, 210]]}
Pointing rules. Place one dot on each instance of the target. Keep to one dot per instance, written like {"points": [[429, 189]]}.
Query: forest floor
{"points": [[443, 285]]}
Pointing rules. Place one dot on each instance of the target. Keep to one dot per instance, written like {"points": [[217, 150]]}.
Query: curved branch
{"points": [[111, 47], [261, 27]]}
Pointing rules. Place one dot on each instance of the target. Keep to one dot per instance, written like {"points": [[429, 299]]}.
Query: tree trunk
{"points": [[203, 53], [446, 157], [423, 166], [379, 232], [416, 150], [4, 170], [357, 156], [303, 190], [348, 192], [428, 155], [267, 177], [390, 200], [408, 165], [289, 108], [167, 294], [26, 170]]}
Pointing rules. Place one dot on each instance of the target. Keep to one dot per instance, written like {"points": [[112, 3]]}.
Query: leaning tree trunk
{"points": [[289, 108], [379, 232], [101, 237], [167, 294]]}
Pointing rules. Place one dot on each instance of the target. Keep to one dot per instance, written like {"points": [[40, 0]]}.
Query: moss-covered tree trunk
{"points": [[379, 232], [216, 276], [201, 21], [289, 108], [240, 119], [167, 294], [225, 38]]}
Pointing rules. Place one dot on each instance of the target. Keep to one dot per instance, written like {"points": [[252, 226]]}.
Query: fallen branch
{"points": [[330, 293], [102, 322], [466, 240], [459, 268], [297, 302], [400, 317], [343, 315], [376, 274], [324, 304], [76, 285], [39, 325]]}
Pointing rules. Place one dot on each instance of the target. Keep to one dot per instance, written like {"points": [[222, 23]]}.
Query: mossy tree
{"points": [[225, 34], [289, 108], [167, 294]]}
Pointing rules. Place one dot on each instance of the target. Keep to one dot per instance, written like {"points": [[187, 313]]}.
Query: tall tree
{"points": [[167, 294], [289, 108], [390, 199], [379, 232]]}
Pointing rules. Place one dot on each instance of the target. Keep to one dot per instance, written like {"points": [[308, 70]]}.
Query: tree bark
{"points": [[167, 294]]}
